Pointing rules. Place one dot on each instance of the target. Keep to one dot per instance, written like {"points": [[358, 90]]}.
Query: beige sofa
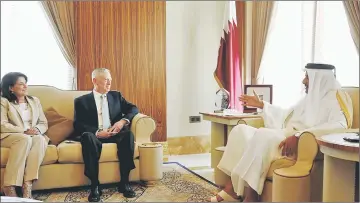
{"points": [[300, 180], [63, 164]]}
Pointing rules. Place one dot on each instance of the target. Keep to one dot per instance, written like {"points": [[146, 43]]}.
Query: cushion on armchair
{"points": [[279, 163]]}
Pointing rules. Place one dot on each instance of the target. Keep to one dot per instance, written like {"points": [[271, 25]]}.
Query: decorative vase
{"points": [[222, 99]]}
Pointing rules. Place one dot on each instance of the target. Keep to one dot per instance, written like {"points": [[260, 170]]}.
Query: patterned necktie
{"points": [[105, 113]]}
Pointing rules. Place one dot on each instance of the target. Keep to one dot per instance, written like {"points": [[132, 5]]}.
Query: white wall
{"points": [[193, 31]]}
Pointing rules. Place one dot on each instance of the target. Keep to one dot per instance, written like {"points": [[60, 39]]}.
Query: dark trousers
{"points": [[91, 150]]}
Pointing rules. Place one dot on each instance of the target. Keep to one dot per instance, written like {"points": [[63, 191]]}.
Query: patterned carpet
{"points": [[179, 184]]}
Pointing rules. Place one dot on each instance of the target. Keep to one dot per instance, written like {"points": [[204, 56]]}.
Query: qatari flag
{"points": [[227, 73]]}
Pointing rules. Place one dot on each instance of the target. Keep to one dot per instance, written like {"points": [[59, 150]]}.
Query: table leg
{"points": [[228, 129], [339, 180], [217, 140]]}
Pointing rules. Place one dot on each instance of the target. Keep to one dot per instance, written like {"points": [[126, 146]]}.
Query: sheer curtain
{"points": [[334, 44], [287, 50], [28, 45], [303, 32]]}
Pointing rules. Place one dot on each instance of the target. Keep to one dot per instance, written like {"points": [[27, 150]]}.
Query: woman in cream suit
{"points": [[23, 125]]}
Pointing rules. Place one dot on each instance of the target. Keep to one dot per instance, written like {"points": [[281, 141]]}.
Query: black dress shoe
{"points": [[126, 189], [100, 190], [94, 194]]}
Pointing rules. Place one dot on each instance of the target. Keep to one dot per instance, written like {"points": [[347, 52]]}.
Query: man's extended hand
{"points": [[118, 126], [251, 101], [32, 131], [290, 145], [105, 134]]}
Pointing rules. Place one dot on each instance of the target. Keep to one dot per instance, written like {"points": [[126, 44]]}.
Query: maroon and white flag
{"points": [[228, 73]]}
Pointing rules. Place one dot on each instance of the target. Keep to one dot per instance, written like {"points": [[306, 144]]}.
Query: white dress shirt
{"points": [[97, 97]]}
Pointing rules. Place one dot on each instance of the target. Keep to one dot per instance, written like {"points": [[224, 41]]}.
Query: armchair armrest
{"points": [[306, 153], [142, 126], [254, 122], [296, 178]]}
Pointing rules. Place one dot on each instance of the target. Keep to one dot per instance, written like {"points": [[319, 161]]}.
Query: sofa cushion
{"points": [[60, 127], [72, 153], [51, 155], [279, 163]]}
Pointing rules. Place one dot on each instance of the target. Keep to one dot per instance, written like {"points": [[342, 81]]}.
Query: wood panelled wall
{"points": [[129, 39]]}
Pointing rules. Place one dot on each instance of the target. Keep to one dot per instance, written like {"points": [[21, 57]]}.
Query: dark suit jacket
{"points": [[86, 116]]}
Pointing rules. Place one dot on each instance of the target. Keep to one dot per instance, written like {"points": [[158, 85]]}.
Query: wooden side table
{"points": [[221, 126], [340, 158]]}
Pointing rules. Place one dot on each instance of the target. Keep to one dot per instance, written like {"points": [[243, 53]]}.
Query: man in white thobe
{"points": [[250, 151]]}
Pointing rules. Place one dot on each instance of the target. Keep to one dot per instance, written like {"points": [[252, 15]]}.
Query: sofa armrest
{"points": [[142, 126], [254, 122]]}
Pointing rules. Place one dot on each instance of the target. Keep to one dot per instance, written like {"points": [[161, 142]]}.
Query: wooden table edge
{"points": [[324, 143], [230, 117]]}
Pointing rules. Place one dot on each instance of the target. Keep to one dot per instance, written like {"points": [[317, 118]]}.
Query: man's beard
{"points": [[305, 89]]}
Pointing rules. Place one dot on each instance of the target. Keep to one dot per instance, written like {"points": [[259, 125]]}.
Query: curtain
{"points": [[334, 42], [62, 20], [352, 9], [306, 32], [288, 48], [241, 20], [261, 16], [28, 45]]}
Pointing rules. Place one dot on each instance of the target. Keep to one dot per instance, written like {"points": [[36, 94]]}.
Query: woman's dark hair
{"points": [[9, 80]]}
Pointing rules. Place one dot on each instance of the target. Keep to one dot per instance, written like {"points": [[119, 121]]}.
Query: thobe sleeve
{"points": [[337, 120], [274, 116]]}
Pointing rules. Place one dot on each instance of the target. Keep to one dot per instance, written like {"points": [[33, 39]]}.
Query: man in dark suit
{"points": [[103, 116]]}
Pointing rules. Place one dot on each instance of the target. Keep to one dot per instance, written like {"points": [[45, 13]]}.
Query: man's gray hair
{"points": [[98, 71]]}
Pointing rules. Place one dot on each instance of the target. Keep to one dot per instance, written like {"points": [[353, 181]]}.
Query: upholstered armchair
{"points": [[297, 180]]}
